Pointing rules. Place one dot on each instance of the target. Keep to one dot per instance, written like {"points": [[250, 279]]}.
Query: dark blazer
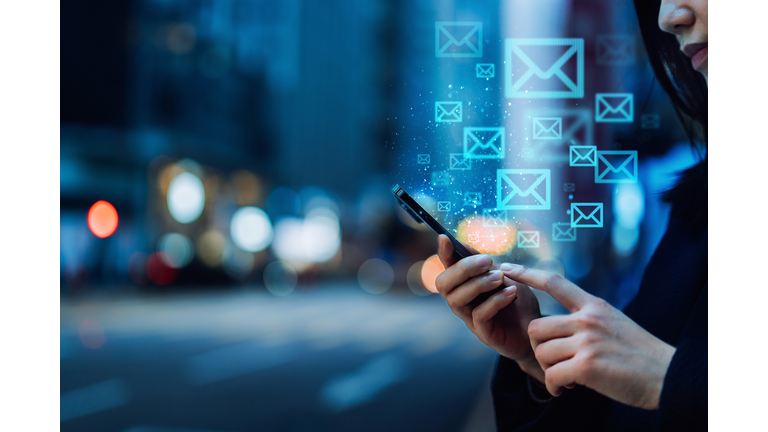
{"points": [[672, 305]]}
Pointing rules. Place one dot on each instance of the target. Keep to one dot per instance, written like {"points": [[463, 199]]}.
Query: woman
{"points": [[599, 368]]}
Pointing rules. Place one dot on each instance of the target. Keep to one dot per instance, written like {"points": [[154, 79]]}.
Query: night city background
{"points": [[231, 257]]}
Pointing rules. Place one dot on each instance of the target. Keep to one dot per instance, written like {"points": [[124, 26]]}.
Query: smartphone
{"points": [[420, 215]]}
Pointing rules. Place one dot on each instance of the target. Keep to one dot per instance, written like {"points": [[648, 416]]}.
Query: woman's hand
{"points": [[596, 345], [497, 324]]}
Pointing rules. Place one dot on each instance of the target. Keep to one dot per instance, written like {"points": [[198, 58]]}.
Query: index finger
{"points": [[563, 291]]}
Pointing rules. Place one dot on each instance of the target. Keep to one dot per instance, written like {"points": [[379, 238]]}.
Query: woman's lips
{"points": [[699, 58], [698, 54]]}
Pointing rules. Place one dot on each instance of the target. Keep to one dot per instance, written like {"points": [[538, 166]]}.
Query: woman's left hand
{"points": [[596, 345]]}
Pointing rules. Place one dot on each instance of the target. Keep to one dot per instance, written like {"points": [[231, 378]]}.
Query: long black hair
{"points": [[687, 89]]}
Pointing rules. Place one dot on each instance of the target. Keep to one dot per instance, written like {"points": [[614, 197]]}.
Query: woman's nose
{"points": [[675, 16]]}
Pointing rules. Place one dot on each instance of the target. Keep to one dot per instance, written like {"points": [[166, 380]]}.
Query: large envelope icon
{"points": [[583, 156], [484, 142], [616, 166], [448, 112], [577, 124], [528, 239], [587, 215], [423, 159], [614, 107], [615, 49], [563, 231], [548, 128], [443, 206], [472, 198], [494, 218], [523, 189], [553, 80], [460, 162], [485, 70], [458, 39]]}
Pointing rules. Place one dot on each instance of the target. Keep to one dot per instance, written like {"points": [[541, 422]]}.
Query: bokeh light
{"points": [[431, 268], [375, 276], [490, 240], [210, 247], [91, 334], [177, 250], [322, 234], [102, 219], [186, 197], [247, 187], [314, 239], [280, 278], [158, 271], [283, 202], [413, 279], [251, 229]]}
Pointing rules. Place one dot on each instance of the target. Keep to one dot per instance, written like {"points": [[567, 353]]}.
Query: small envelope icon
{"points": [[577, 124], [474, 237], [583, 156], [527, 239], [548, 128], [484, 142], [523, 189], [587, 215], [458, 39], [615, 49], [551, 76], [460, 162], [448, 112], [473, 198], [441, 178], [494, 218], [563, 232], [526, 152], [616, 166], [650, 121], [569, 187], [614, 107], [485, 70], [422, 159], [443, 206]]}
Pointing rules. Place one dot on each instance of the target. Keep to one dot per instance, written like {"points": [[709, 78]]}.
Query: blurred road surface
{"points": [[330, 359]]}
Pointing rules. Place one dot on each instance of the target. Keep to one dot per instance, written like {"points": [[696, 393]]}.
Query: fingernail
{"points": [[509, 266], [495, 276], [483, 260], [510, 291]]}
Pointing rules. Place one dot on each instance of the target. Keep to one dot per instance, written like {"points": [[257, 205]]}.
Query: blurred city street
{"points": [[334, 358]]}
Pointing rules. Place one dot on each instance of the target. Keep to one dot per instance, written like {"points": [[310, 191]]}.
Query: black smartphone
{"points": [[420, 215]]}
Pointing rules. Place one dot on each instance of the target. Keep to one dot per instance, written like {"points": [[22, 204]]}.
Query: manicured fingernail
{"points": [[495, 276], [483, 260], [510, 291]]}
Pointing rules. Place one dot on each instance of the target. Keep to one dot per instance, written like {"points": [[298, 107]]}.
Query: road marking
{"points": [[345, 391]]}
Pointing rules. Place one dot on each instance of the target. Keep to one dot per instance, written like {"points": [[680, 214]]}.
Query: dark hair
{"points": [[687, 89]]}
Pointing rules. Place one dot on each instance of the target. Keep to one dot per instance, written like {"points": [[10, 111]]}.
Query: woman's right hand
{"points": [[497, 322]]}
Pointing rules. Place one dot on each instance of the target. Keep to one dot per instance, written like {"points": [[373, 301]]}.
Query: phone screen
{"points": [[420, 215]]}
